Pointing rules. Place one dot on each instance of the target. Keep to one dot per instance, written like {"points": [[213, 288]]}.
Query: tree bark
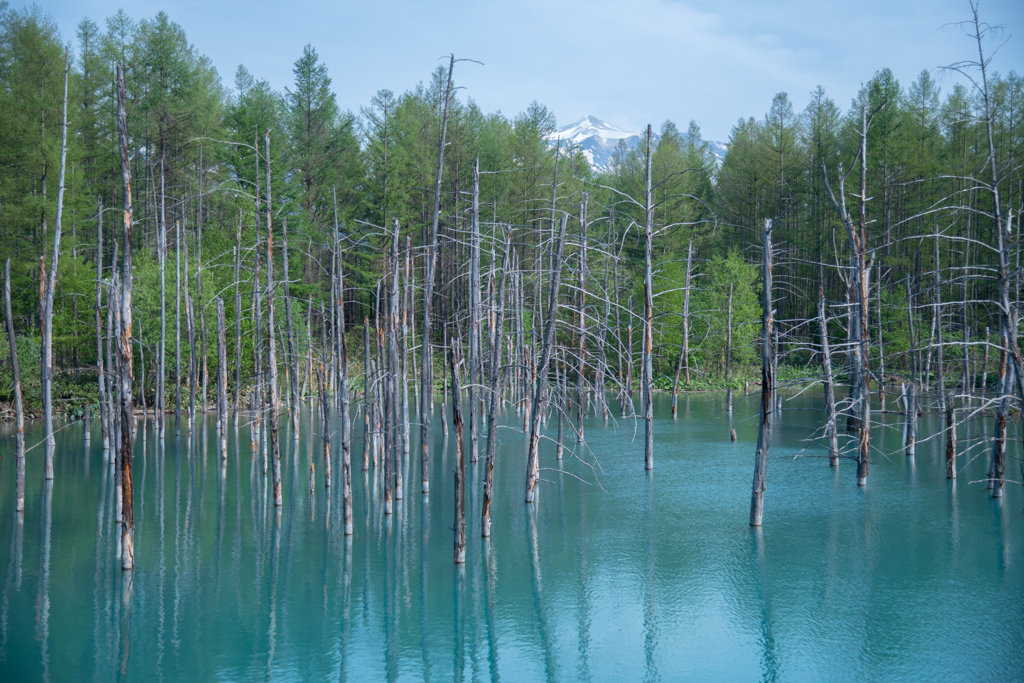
{"points": [[648, 354], [271, 341], [19, 413], [124, 338], [582, 350], [533, 459], [101, 379], [48, 284], [496, 372], [460, 465], [767, 381], [428, 295], [684, 348], [830, 393], [222, 380]]}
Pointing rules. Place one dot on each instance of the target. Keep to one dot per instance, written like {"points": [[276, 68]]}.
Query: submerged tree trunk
{"points": [[950, 439], [47, 285], [910, 439], [460, 465], [124, 338], [426, 361], [19, 413], [581, 400], [767, 381], [101, 379], [684, 347], [474, 318], [830, 393], [533, 459], [496, 376], [293, 368], [728, 355], [648, 353], [271, 343], [222, 380]]}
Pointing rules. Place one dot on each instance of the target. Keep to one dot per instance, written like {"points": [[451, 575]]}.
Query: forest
{"points": [[177, 245]]}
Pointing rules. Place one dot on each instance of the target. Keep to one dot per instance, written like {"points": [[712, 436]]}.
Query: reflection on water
{"points": [[633, 576]]}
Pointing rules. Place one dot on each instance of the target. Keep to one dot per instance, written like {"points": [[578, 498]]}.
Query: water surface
{"points": [[627, 575]]}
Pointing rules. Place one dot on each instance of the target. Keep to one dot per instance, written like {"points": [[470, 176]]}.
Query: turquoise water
{"points": [[629, 576]]}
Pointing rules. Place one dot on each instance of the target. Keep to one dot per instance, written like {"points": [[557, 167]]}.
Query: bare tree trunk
{"points": [[648, 355], [496, 372], [940, 378], [474, 319], [101, 380], [684, 348], [222, 380], [407, 312], [48, 284], [910, 440], [581, 400], [728, 357], [160, 400], [177, 329], [428, 295], [460, 464], [271, 341], [199, 272], [325, 416], [830, 393], [293, 369], [19, 413], [950, 439], [860, 415], [533, 459], [238, 318], [394, 380], [767, 381], [367, 393], [125, 338]]}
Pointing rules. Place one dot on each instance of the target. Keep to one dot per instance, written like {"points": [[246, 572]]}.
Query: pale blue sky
{"points": [[628, 63]]}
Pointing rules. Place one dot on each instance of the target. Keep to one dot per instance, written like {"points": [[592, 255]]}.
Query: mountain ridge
{"points": [[598, 140]]}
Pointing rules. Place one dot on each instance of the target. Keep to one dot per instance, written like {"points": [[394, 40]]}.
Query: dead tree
{"points": [[497, 340], [684, 348], [540, 391], [124, 346], [830, 392], [582, 350], [767, 380], [47, 286], [648, 352], [293, 369], [910, 439], [177, 330], [859, 284], [474, 319], [427, 378], [728, 355], [19, 412], [101, 378], [222, 380], [460, 464], [271, 343]]}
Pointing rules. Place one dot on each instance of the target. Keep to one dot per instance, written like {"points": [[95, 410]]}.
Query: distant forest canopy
{"points": [[192, 160]]}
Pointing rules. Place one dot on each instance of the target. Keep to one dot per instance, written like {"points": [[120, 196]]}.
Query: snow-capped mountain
{"points": [[599, 139]]}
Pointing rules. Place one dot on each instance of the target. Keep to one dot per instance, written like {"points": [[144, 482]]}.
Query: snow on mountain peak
{"points": [[588, 127], [598, 140]]}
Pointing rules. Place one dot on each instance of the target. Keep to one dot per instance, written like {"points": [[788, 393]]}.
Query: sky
{"points": [[627, 62]]}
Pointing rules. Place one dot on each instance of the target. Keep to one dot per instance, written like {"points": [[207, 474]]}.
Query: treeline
{"points": [[199, 159]]}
